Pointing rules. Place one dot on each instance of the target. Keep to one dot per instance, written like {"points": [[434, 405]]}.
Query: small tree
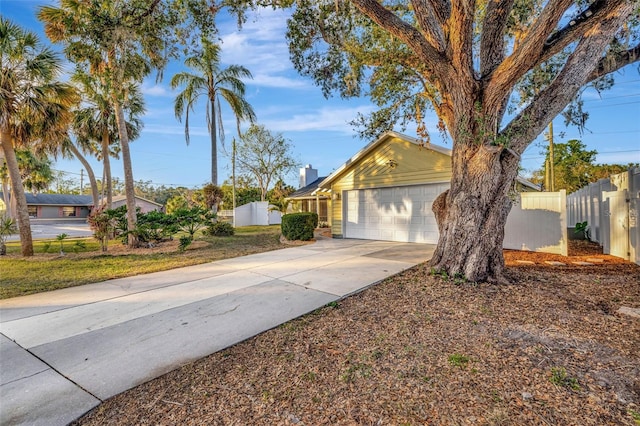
{"points": [[265, 157], [212, 195], [175, 203], [7, 227], [103, 225]]}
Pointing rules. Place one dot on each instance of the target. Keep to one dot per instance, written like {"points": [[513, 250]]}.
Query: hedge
{"points": [[299, 226]]}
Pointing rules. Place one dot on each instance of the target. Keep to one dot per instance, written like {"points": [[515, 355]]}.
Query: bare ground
{"points": [[549, 349]]}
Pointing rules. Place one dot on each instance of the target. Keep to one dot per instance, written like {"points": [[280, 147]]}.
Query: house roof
{"points": [[69, 199], [325, 184], [117, 198], [57, 199], [307, 191]]}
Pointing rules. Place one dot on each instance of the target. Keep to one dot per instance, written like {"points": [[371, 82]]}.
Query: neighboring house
{"points": [[145, 205], [53, 206], [386, 190], [68, 206]]}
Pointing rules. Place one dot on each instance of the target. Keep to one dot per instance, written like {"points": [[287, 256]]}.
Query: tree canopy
{"points": [[575, 166], [265, 157]]}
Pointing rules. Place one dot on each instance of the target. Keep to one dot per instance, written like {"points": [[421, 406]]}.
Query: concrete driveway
{"points": [[46, 229], [63, 352]]}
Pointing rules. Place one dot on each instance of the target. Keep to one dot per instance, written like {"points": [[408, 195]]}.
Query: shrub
{"points": [[185, 241], [221, 229], [582, 231], [193, 219], [299, 226], [157, 226]]}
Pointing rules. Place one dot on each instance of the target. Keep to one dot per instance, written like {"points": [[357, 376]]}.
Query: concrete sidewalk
{"points": [[63, 352]]}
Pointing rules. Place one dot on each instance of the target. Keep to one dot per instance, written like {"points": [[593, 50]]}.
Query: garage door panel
{"points": [[394, 214]]}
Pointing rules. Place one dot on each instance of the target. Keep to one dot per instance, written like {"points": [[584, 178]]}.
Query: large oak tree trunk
{"points": [[17, 194], [472, 214]]}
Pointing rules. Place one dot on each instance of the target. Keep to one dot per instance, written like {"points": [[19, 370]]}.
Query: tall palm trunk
{"points": [[17, 193], [106, 164], [92, 177], [214, 144], [128, 172]]}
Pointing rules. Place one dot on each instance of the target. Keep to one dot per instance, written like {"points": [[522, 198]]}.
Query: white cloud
{"points": [[261, 47], [267, 80], [324, 119], [177, 129], [156, 90]]}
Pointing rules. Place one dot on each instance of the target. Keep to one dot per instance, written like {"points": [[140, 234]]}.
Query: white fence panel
{"points": [[255, 213], [538, 222], [611, 209], [275, 217], [634, 215]]}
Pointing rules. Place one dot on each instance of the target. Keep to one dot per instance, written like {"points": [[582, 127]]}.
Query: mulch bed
{"points": [[548, 349]]}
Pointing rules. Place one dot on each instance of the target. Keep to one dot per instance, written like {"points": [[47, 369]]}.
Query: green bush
{"points": [[299, 226], [185, 241], [221, 229]]}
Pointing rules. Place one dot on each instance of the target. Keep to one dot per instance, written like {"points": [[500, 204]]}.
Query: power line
{"points": [[614, 105], [598, 153], [612, 97]]}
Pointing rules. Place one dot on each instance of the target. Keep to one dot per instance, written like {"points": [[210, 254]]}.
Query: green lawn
{"points": [[49, 271]]}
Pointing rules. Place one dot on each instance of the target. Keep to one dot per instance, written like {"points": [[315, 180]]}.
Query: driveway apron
{"points": [[63, 352]]}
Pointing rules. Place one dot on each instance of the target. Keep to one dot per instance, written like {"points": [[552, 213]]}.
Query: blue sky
{"points": [[317, 128]]}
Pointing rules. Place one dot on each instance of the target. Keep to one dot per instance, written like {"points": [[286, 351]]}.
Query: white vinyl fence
{"points": [[538, 222], [610, 207], [255, 213]]}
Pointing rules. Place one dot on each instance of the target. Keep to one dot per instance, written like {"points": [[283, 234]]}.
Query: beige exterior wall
{"points": [[412, 165], [336, 217]]}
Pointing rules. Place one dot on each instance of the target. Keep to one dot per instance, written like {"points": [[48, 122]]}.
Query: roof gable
{"points": [[387, 152], [387, 160], [118, 198]]}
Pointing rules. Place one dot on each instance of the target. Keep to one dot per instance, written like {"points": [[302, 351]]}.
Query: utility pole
{"points": [[81, 181], [552, 162]]}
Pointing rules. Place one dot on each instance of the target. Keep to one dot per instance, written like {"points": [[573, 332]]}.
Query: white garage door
{"points": [[392, 214]]}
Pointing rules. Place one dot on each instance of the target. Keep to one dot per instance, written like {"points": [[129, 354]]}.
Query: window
{"points": [[68, 211], [33, 211]]}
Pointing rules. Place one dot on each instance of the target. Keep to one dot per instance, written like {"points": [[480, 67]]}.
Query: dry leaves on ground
{"points": [[549, 349]]}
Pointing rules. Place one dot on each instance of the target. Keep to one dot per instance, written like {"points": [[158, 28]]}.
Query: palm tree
{"points": [[33, 106], [35, 174], [213, 83], [95, 127], [119, 43]]}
